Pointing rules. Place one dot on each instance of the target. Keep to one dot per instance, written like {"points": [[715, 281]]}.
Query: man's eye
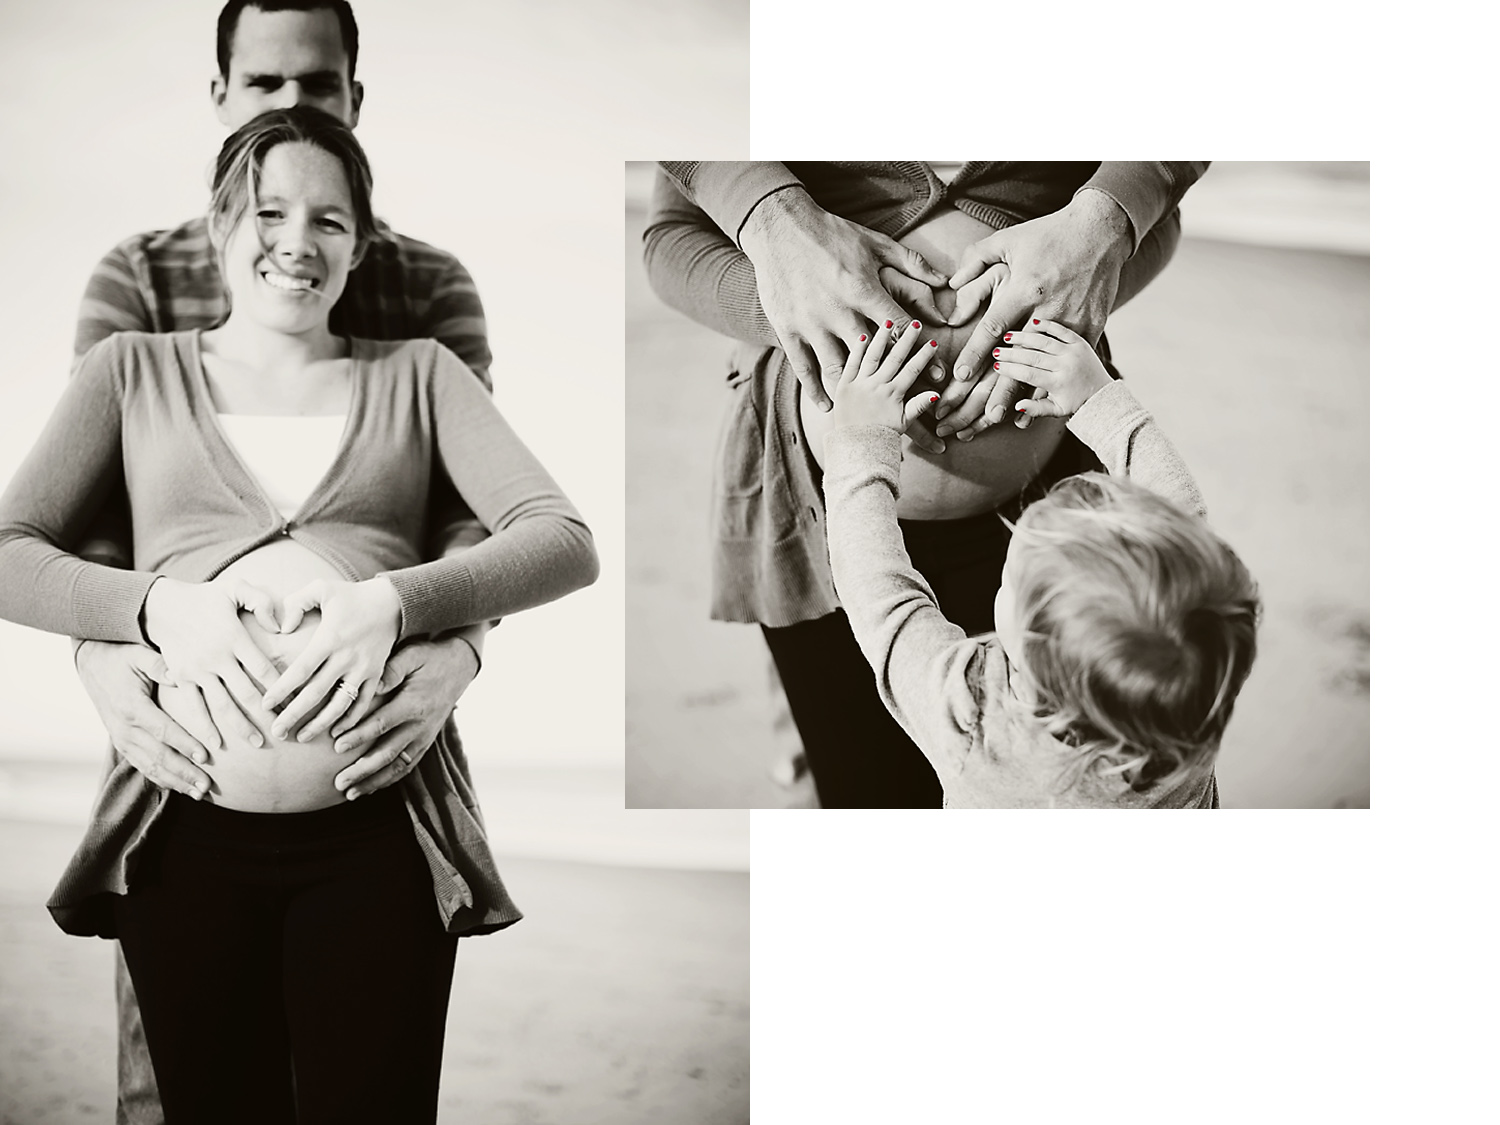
{"points": [[265, 83], [322, 89]]}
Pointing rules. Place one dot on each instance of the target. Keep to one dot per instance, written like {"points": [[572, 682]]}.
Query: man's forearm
{"points": [[473, 636]]}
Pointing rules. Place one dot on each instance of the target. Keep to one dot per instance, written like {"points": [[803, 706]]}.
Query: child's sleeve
{"points": [[929, 674], [1126, 438]]}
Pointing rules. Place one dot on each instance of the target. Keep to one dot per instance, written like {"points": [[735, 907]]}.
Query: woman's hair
{"points": [[1138, 629], [237, 170]]}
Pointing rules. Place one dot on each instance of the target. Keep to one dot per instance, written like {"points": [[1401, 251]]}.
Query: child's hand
{"points": [[872, 390], [1058, 362]]}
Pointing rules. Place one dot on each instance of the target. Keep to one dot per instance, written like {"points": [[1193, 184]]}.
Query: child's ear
{"points": [[359, 256]]}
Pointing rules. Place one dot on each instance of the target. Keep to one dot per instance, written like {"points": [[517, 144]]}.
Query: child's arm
{"points": [[926, 670], [1105, 415]]}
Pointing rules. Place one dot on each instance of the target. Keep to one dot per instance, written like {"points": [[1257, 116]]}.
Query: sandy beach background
{"points": [[496, 130], [1252, 348]]}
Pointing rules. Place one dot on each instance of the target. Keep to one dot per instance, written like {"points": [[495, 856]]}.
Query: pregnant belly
{"points": [[970, 477], [281, 776]]}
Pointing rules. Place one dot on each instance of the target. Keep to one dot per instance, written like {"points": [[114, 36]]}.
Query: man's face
{"points": [[282, 59]]}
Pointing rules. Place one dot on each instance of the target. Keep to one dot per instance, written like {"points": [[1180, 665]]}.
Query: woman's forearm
{"points": [[73, 468], [538, 548], [536, 560]]}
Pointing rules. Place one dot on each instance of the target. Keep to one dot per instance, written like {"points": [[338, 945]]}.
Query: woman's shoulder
{"points": [[425, 360], [133, 357]]}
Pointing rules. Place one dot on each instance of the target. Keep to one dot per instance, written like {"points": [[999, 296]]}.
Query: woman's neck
{"points": [[257, 347]]}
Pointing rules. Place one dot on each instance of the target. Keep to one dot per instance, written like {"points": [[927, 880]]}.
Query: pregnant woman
{"points": [[809, 229], [292, 950]]}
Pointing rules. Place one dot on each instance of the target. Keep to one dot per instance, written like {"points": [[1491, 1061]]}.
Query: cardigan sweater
{"points": [[169, 281], [769, 560], [951, 693], [138, 412]]}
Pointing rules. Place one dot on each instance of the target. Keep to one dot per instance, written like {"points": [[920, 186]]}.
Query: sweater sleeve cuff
{"points": [[434, 596], [108, 604], [1104, 413], [1147, 191], [728, 190]]}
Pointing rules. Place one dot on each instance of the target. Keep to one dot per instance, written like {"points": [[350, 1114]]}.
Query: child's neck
{"points": [[1018, 682]]}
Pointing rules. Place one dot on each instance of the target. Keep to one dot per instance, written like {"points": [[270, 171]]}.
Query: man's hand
{"points": [[118, 678], [1063, 267], [419, 687], [824, 280]]}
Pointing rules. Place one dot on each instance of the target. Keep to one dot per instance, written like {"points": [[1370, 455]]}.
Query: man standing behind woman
{"points": [[275, 54]]}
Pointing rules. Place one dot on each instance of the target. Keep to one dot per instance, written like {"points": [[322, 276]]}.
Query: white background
{"points": [[1252, 967]]}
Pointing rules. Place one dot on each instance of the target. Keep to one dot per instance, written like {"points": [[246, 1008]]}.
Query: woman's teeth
{"points": [[283, 281]]}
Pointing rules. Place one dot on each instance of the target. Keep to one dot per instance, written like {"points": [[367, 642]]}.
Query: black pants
{"points": [[858, 756], [290, 968]]}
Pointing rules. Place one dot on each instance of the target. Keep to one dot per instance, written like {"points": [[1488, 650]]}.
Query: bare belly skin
{"points": [[971, 477], [281, 776]]}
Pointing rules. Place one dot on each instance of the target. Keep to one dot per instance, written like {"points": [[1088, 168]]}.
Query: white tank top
{"points": [[287, 455]]}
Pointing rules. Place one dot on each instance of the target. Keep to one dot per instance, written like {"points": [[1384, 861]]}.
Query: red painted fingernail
{"points": [[1034, 320], [1020, 410], [932, 343], [996, 353], [916, 324], [933, 399], [861, 338], [887, 324], [1007, 337], [997, 367]]}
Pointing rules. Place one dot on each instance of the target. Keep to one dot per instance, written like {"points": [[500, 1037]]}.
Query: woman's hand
{"points": [[1058, 362], [197, 628], [343, 661], [872, 390]]}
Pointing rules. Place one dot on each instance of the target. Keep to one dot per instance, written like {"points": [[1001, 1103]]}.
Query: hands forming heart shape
{"points": [[824, 280]]}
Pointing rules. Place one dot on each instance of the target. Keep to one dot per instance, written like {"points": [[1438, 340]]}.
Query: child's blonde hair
{"points": [[1138, 629]]}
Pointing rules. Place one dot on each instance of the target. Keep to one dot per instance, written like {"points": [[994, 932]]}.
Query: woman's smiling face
{"points": [[287, 260]]}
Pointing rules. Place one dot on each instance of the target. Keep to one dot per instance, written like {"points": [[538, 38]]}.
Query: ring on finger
{"points": [[344, 687], [405, 757]]}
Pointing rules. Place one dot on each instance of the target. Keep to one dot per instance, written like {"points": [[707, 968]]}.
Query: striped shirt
{"points": [[168, 281]]}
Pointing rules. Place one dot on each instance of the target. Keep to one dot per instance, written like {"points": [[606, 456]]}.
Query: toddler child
{"points": [[1124, 627]]}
